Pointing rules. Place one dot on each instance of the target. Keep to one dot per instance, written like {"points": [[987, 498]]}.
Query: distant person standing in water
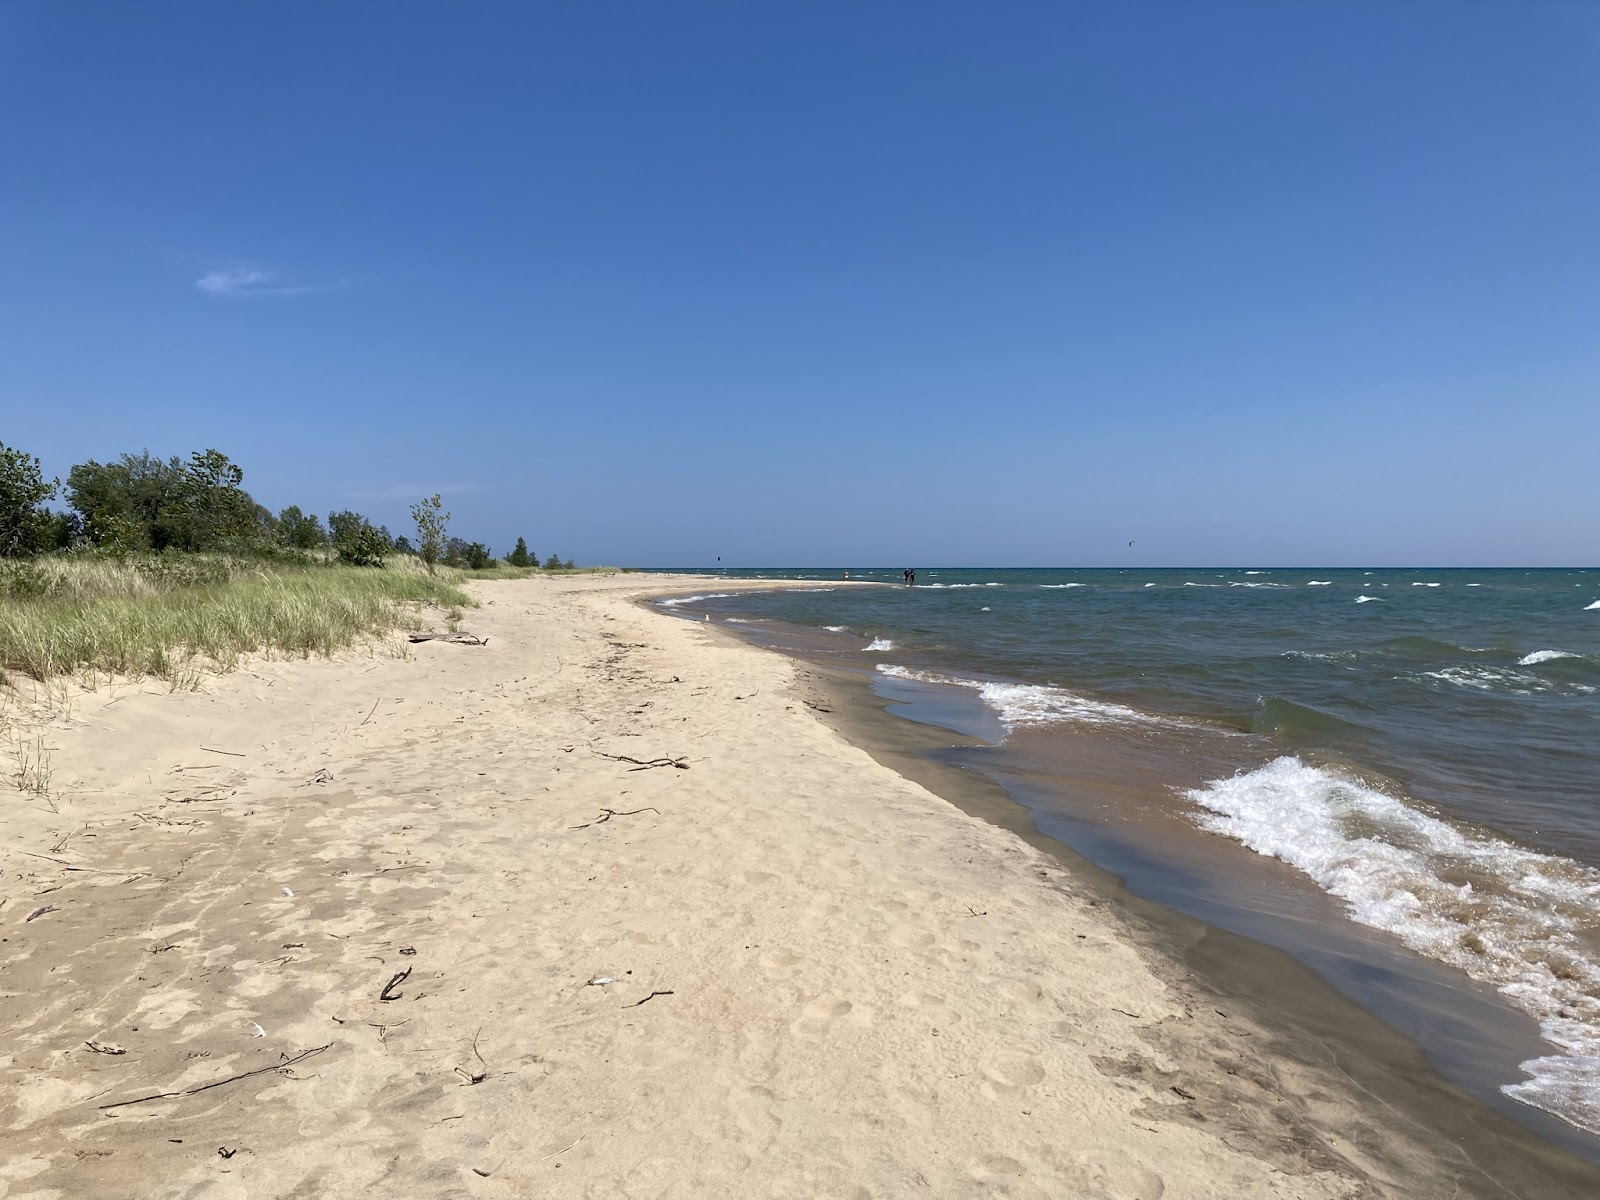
{"points": [[906, 575], [913, 577]]}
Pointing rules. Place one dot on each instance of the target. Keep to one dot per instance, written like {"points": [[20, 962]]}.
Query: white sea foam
{"points": [[1187, 583], [880, 644], [1149, 585], [1255, 572], [1591, 607], [1426, 585], [954, 586], [1539, 656], [837, 628], [986, 608], [674, 601], [1319, 583], [1248, 584], [1058, 586], [1503, 679], [1511, 918], [1019, 704], [1364, 599]]}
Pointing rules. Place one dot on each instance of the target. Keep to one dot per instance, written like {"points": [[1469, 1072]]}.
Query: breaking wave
{"points": [[1509, 917], [1019, 704], [674, 601]]}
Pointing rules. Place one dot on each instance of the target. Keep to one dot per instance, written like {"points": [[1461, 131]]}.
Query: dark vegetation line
{"points": [[143, 504]]}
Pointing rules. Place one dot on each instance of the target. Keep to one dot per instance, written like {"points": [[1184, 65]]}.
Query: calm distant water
{"points": [[1437, 734]]}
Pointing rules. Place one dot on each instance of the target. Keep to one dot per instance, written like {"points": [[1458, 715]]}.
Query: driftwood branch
{"points": [[206, 1087], [608, 813], [459, 639], [641, 764]]}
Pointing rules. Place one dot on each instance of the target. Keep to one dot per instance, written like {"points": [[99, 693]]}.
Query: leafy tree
{"points": [[519, 556], [355, 539], [299, 530], [432, 522], [553, 563], [402, 545], [130, 504], [455, 552], [141, 502], [477, 556], [24, 525], [213, 508]]}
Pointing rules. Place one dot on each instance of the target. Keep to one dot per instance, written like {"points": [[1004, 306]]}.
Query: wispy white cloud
{"points": [[245, 281]]}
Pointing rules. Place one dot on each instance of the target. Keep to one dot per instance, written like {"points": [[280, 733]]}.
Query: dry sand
{"points": [[826, 980]]}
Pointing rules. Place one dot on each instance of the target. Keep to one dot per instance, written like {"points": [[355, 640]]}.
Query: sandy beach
{"points": [[615, 905]]}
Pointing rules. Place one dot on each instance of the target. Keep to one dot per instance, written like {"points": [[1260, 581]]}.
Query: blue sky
{"points": [[1003, 284]]}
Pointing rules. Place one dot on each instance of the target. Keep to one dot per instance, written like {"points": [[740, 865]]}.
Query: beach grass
{"points": [[174, 617]]}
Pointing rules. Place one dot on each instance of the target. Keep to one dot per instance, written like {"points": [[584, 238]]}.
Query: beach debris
{"points": [[1183, 1092], [323, 776], [229, 753], [288, 891], [408, 949], [641, 764], [370, 711], [105, 1048], [483, 1174], [206, 1087], [974, 912], [398, 978], [39, 912], [256, 1030], [227, 1151], [600, 981], [459, 639], [607, 813], [565, 1148], [473, 1077], [649, 998]]}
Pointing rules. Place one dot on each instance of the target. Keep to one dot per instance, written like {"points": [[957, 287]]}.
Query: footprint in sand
{"points": [[823, 1014], [1013, 1073]]}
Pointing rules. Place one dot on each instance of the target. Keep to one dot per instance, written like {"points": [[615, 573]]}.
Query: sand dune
{"points": [[780, 969]]}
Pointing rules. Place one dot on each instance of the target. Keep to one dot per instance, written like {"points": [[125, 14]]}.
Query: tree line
{"points": [[141, 503]]}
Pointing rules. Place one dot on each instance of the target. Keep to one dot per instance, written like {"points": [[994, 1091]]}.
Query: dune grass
{"points": [[175, 616]]}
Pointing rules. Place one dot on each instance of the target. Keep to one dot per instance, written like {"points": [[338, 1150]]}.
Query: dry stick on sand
{"points": [[648, 998], [642, 765], [205, 1087], [399, 977], [229, 753], [608, 813]]}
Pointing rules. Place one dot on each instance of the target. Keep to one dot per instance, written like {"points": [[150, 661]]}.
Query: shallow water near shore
{"points": [[1409, 804]]}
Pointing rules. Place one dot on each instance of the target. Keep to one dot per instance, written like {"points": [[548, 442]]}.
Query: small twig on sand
{"points": [[90, 870], [475, 1076], [229, 753], [649, 998], [374, 709], [398, 978], [205, 1087], [643, 765], [564, 1149], [608, 813], [40, 911]]}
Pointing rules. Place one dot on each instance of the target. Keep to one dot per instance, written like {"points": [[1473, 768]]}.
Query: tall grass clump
{"points": [[167, 615]]}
